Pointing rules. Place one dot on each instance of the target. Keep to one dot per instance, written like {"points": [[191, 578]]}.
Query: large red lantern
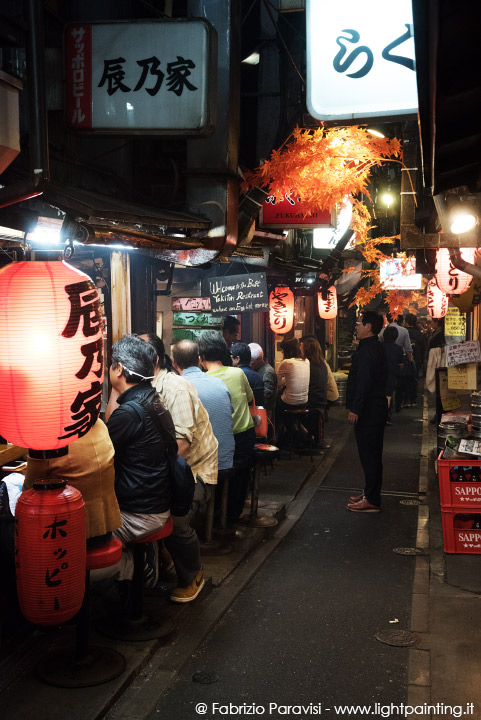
{"points": [[437, 304], [51, 354], [50, 552], [281, 310], [328, 305], [448, 278]]}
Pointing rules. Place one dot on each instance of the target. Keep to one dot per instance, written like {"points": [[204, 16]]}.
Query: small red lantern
{"points": [[51, 354], [437, 300], [50, 552], [448, 278], [328, 305], [281, 310]]}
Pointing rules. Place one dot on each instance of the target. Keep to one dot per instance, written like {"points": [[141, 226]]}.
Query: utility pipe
{"points": [[460, 264]]}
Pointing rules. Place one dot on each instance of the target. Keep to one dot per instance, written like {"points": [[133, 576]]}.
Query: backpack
{"points": [[181, 476]]}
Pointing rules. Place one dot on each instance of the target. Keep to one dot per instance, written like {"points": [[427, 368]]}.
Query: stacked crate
{"points": [[460, 505]]}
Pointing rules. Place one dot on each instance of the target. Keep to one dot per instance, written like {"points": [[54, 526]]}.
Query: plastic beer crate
{"points": [[465, 495], [458, 532]]}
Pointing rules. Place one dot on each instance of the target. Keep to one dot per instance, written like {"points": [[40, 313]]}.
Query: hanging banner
{"points": [[238, 293]]}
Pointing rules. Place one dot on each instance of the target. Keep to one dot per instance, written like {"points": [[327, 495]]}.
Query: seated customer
{"points": [[267, 373], [241, 357], [142, 475], [212, 350], [317, 398], [89, 467]]}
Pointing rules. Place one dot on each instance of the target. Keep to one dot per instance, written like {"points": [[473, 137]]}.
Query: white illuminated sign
{"points": [[360, 59], [154, 77], [327, 238], [399, 274]]}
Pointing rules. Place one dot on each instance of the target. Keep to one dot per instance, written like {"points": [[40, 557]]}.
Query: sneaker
{"points": [[363, 506], [189, 593], [151, 565], [356, 498]]}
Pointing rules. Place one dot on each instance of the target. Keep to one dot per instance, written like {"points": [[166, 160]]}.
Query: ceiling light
{"points": [[252, 59], [376, 133], [462, 216], [387, 199]]}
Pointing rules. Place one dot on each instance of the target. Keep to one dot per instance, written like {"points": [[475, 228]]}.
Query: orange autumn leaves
{"points": [[323, 167]]}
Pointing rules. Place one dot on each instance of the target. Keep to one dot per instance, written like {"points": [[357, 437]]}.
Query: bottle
{"points": [[477, 522], [461, 474], [475, 476], [453, 473]]}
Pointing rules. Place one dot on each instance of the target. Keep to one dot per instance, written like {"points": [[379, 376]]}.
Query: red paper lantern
{"points": [[50, 552], [281, 310], [51, 354], [437, 300], [448, 278], [328, 306]]}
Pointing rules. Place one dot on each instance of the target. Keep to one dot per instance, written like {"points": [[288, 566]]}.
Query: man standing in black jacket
{"points": [[367, 405]]}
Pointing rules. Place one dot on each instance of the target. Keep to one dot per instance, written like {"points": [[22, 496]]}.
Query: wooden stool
{"points": [[88, 665], [138, 626], [261, 451], [292, 424]]}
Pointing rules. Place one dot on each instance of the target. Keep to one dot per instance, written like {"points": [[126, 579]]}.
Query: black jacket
{"points": [[366, 383], [142, 476]]}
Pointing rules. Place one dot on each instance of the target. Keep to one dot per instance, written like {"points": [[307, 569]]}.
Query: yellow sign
{"points": [[455, 323], [449, 398], [462, 377]]}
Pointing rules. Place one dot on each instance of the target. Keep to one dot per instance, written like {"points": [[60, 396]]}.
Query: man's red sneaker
{"points": [[363, 506]]}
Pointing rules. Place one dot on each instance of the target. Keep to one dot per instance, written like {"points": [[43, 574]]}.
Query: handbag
{"points": [[182, 477], [260, 413]]}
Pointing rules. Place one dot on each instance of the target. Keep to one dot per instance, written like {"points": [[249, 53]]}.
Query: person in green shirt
{"points": [[212, 351]]}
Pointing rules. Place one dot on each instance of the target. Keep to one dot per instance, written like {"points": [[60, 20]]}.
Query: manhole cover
{"points": [[204, 678], [407, 551], [409, 502], [397, 638]]}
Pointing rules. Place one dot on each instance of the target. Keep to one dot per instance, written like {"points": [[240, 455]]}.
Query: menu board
{"points": [[455, 323], [239, 293]]}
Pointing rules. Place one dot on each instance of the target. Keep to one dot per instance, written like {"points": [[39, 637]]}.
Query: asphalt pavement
{"points": [[291, 616]]}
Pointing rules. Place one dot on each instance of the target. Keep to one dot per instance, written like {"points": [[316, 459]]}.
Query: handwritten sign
{"points": [[455, 323], [462, 377], [461, 353], [239, 293], [198, 319], [196, 303]]}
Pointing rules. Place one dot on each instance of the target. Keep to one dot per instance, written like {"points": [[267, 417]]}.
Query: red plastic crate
{"points": [[465, 495], [458, 533]]}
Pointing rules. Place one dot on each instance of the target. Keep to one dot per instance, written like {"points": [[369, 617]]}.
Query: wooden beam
{"points": [[120, 287], [412, 238]]}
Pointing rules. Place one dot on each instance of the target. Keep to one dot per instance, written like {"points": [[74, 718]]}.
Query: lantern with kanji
{"points": [[448, 278], [327, 303], [437, 300], [51, 354], [50, 552], [281, 310]]}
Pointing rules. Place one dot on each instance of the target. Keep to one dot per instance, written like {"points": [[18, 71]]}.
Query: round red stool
{"points": [[87, 665], [137, 626]]}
